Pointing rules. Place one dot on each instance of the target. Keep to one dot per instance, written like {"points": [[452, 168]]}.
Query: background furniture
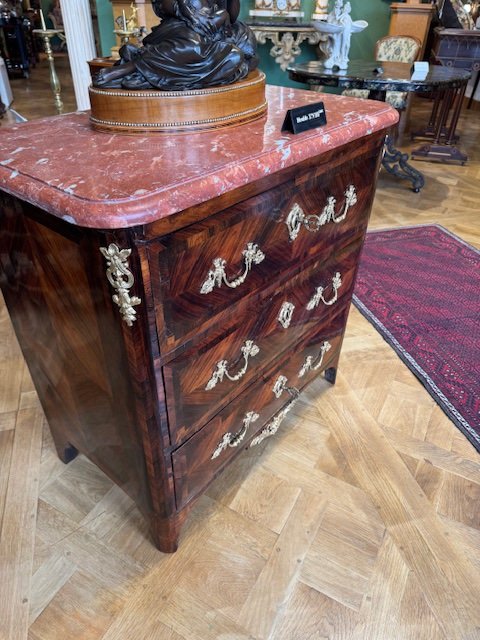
{"points": [[286, 38], [394, 49], [396, 76], [173, 302], [16, 44], [458, 48], [411, 18]]}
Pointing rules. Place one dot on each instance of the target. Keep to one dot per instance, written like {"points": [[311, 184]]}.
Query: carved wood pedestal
{"points": [[173, 295]]}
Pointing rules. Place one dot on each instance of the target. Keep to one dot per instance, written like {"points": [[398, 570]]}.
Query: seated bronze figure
{"points": [[198, 44]]}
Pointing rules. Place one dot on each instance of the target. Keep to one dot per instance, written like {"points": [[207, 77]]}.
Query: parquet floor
{"points": [[360, 520]]}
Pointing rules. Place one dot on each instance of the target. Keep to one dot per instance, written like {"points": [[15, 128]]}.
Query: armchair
{"points": [[394, 49]]}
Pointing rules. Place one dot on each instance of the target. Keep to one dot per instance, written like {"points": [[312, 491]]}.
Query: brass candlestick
{"points": [[126, 34], [47, 35]]}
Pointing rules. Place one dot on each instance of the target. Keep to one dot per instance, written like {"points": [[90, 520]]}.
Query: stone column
{"points": [[77, 22]]}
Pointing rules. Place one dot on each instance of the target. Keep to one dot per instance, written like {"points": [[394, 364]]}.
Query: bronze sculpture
{"points": [[198, 44]]}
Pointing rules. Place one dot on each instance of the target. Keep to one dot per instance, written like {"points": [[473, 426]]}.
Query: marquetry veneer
{"points": [[172, 318]]}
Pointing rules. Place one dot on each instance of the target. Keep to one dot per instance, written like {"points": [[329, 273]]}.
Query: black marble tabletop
{"points": [[378, 76]]}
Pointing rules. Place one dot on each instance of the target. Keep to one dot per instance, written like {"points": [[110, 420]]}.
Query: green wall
{"points": [[375, 12], [105, 26], [105, 23]]}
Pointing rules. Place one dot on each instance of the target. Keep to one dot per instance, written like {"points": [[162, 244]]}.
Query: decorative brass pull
{"points": [[121, 279], [285, 314], [234, 439], [318, 295], [272, 427], [313, 365], [248, 349], [312, 223], [216, 276]]}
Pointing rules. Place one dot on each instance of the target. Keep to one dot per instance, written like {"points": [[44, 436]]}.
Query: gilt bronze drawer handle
{"points": [[234, 439], [121, 279], [248, 349], [312, 222], [318, 295], [251, 255], [272, 427], [313, 365]]}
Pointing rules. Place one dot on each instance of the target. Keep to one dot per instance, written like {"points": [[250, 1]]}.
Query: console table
{"points": [[172, 294], [286, 36]]}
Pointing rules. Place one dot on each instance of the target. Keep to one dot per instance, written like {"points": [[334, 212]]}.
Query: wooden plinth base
{"points": [[123, 111]]}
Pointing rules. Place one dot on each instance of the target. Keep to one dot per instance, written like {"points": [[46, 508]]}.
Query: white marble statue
{"points": [[339, 27]]}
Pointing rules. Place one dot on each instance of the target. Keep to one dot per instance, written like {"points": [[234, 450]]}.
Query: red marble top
{"points": [[107, 181]]}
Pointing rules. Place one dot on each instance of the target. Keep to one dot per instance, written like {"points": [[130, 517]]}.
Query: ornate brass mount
{"points": [[121, 279], [297, 217]]}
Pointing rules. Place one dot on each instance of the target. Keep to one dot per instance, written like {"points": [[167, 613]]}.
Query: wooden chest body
{"points": [[161, 348]]}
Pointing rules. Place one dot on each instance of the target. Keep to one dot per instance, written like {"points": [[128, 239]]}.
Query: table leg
{"points": [[446, 152], [456, 114], [430, 131], [475, 87], [396, 163]]}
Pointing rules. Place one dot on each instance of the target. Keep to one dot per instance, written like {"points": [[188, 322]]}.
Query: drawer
{"points": [[205, 379], [198, 461], [214, 266]]}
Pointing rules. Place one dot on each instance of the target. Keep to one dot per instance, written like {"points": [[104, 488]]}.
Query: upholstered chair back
{"points": [[397, 49], [392, 49]]}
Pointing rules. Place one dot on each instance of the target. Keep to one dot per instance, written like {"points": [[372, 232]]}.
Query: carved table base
{"points": [[396, 163]]}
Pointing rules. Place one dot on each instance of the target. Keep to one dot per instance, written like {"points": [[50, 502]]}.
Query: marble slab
{"points": [[107, 181]]}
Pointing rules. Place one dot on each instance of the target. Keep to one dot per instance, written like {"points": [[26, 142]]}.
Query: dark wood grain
{"points": [[93, 378], [133, 398], [190, 404], [193, 465], [181, 262]]}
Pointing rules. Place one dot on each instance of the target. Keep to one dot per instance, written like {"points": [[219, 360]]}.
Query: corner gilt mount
{"points": [[121, 279]]}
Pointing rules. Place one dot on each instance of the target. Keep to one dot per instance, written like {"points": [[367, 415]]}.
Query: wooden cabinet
{"points": [[162, 343], [412, 18]]}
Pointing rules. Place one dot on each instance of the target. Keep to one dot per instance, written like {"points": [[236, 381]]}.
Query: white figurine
{"points": [[339, 27]]}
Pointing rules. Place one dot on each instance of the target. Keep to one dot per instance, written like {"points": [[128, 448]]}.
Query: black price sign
{"points": [[305, 118]]}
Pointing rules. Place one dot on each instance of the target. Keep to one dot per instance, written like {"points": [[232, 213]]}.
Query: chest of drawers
{"points": [[172, 295]]}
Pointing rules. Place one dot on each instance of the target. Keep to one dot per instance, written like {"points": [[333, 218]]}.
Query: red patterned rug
{"points": [[420, 288]]}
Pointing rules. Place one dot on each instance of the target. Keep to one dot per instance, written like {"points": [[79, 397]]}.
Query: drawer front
{"points": [[197, 462], [208, 268], [203, 380]]}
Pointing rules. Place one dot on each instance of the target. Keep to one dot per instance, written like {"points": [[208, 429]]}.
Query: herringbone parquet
{"points": [[359, 520]]}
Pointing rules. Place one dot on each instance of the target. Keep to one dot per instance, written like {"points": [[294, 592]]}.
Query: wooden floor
{"points": [[359, 520]]}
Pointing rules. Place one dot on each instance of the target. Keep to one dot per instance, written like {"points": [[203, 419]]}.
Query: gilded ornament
{"points": [[248, 349], [285, 314], [313, 365], [216, 276], [234, 439], [121, 279], [318, 295], [297, 216]]}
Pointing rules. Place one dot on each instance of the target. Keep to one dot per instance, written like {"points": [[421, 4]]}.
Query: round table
{"points": [[447, 84]]}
